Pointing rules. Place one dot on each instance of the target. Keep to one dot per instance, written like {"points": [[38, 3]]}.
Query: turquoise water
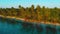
{"points": [[12, 26]]}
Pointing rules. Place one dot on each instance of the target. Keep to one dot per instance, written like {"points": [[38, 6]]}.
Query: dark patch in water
{"points": [[27, 26], [39, 28], [50, 29]]}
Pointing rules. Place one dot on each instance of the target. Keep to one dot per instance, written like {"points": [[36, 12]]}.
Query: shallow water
{"points": [[7, 26]]}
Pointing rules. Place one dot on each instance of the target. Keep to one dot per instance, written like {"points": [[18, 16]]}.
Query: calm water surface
{"points": [[12, 26]]}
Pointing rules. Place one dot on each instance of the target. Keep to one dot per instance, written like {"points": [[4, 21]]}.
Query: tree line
{"points": [[38, 13]]}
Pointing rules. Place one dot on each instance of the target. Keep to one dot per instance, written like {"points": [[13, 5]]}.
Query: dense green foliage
{"points": [[38, 13]]}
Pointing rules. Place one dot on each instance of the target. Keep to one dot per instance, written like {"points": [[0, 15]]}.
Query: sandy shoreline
{"points": [[23, 19]]}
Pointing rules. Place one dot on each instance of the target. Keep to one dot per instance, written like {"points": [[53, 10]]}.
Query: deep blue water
{"points": [[12, 26]]}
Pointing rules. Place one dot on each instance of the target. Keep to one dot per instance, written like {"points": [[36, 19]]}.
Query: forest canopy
{"points": [[38, 13]]}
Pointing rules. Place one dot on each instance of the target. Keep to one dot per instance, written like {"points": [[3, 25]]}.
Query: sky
{"points": [[28, 3]]}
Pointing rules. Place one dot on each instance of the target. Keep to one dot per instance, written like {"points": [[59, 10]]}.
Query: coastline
{"points": [[32, 21]]}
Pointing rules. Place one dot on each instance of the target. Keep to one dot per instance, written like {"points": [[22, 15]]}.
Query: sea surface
{"points": [[13, 26]]}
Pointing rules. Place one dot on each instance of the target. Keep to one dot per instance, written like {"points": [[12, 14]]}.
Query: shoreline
{"points": [[28, 20]]}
